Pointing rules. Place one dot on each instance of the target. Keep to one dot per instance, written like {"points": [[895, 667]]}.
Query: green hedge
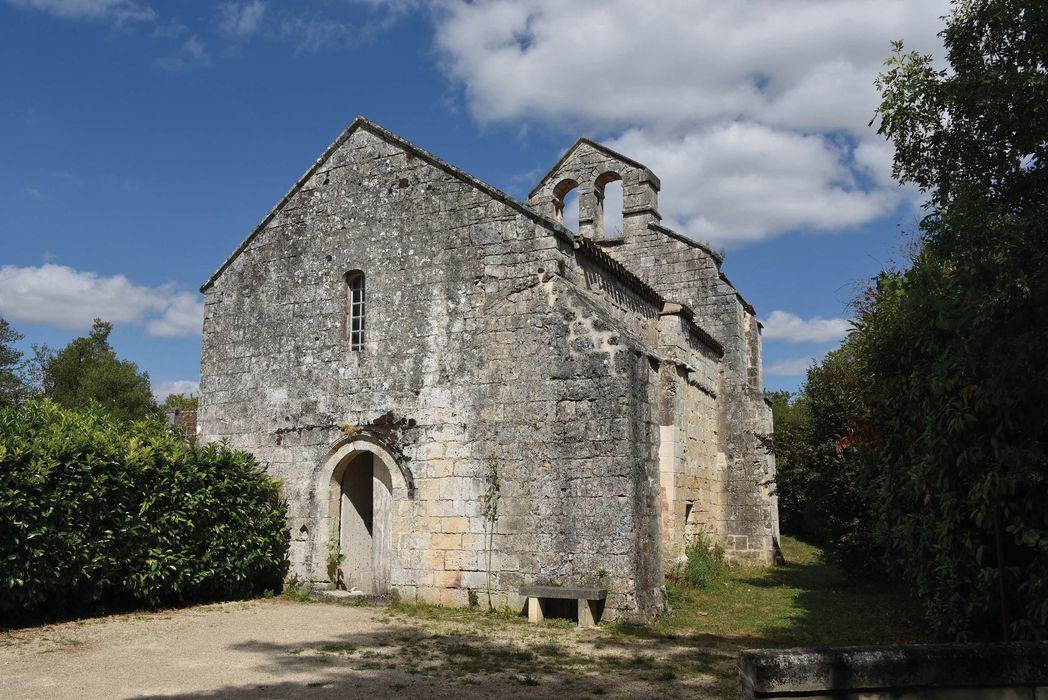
{"points": [[97, 514]]}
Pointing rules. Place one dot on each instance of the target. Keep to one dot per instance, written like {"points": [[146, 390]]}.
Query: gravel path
{"points": [[280, 649]]}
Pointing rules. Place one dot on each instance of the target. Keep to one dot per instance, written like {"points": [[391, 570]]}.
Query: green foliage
{"points": [[296, 588], [704, 566], [795, 468], [821, 484], [335, 559], [12, 387], [951, 351], [335, 556], [978, 128], [87, 371], [180, 402], [99, 514]]}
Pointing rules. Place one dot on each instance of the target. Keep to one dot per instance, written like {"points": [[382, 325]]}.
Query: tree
{"points": [[180, 402], [34, 369], [821, 490], [951, 350], [12, 387], [87, 371], [975, 132], [794, 472]]}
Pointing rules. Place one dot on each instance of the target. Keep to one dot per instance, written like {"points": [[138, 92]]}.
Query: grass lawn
{"points": [[806, 602], [690, 651]]}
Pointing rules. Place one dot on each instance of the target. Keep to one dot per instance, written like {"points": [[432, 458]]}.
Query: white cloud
{"points": [[806, 64], [874, 157], [313, 34], [741, 181], [753, 113], [183, 316], [790, 368], [311, 27], [240, 20], [178, 386], [192, 54], [782, 325], [58, 295], [120, 11]]}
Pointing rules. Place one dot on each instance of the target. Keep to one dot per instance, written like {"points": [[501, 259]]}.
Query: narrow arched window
{"points": [[355, 310]]}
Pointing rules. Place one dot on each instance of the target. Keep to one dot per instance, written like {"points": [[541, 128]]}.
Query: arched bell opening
{"points": [[608, 216], [566, 204]]}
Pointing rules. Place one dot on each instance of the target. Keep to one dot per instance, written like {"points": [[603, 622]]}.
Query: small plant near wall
{"points": [[705, 564], [489, 509], [295, 588], [335, 559]]}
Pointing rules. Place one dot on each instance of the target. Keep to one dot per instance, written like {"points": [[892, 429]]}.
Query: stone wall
{"points": [[688, 273], [622, 423], [743, 515], [487, 332]]}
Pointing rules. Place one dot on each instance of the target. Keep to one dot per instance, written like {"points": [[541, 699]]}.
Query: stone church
{"points": [[395, 328]]}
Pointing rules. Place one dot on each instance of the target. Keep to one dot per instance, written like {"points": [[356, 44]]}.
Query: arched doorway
{"points": [[365, 521], [362, 521]]}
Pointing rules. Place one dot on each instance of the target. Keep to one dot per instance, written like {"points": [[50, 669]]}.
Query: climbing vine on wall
{"points": [[489, 510]]}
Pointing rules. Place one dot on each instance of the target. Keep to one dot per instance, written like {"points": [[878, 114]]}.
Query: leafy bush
{"points": [[951, 351], [98, 514], [704, 566]]}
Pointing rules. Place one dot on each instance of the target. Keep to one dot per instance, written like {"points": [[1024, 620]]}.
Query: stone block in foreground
{"points": [[929, 672]]}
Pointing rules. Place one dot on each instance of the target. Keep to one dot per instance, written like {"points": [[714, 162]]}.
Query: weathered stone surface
{"points": [[565, 592], [713, 468], [934, 670], [489, 330]]}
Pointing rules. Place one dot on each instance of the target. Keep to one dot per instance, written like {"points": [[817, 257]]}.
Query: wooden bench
{"points": [[587, 598]]}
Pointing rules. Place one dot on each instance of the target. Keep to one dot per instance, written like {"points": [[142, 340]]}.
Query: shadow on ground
{"points": [[805, 602], [832, 610], [414, 661], [690, 653]]}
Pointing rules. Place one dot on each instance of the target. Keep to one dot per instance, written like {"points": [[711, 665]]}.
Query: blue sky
{"points": [[141, 141]]}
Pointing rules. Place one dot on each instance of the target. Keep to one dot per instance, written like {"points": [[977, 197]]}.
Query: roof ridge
{"points": [[353, 126], [704, 247], [558, 228]]}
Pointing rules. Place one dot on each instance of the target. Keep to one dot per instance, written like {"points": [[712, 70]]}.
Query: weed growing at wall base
{"points": [[704, 566]]}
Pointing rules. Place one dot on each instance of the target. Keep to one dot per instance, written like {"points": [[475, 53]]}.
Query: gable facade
{"points": [[395, 328]]}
